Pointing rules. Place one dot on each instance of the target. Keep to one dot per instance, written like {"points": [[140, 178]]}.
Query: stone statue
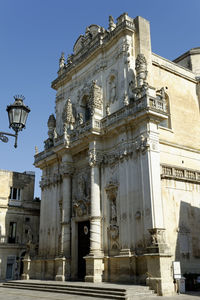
{"points": [[107, 110], [113, 212], [51, 126], [80, 118], [112, 89], [141, 69]]}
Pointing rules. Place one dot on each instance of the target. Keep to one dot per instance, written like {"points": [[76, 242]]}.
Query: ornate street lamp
{"points": [[17, 115]]}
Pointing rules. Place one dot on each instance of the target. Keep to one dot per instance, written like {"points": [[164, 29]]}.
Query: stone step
{"points": [[110, 292]]}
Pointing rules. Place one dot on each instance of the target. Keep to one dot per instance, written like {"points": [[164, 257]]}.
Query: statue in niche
{"points": [[51, 132], [80, 118], [67, 116], [113, 218], [112, 89], [107, 110], [141, 69]]}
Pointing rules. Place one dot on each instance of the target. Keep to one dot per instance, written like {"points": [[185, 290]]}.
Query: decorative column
{"points": [[94, 261], [158, 257], [64, 260]]}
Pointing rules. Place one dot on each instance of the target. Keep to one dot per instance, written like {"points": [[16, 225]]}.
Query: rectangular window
{"points": [[12, 232], [15, 193]]}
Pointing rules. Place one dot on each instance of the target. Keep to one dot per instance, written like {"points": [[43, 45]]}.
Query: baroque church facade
{"points": [[121, 164]]}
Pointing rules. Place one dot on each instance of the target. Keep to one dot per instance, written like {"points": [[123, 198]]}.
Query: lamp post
{"points": [[17, 115]]}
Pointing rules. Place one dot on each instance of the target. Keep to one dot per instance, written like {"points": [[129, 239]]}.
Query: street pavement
{"points": [[17, 294]]}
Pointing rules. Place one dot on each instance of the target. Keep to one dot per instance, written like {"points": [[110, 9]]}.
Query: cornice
{"points": [[179, 146], [190, 76]]}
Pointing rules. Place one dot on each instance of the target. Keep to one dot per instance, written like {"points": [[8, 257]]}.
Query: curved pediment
{"points": [[94, 29], [91, 31], [78, 44]]}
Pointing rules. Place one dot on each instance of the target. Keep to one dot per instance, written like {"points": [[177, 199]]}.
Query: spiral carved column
{"points": [[94, 261]]}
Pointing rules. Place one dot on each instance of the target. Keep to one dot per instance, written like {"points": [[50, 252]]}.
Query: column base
{"points": [[59, 278], [25, 277], [60, 268], [94, 268]]}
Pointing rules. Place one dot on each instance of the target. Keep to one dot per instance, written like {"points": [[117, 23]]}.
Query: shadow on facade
{"points": [[188, 245]]}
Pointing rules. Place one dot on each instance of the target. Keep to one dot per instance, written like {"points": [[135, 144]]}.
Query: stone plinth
{"points": [[94, 268], [159, 264]]}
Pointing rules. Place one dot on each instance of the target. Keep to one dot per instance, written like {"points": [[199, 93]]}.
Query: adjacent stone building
{"points": [[121, 165], [19, 222]]}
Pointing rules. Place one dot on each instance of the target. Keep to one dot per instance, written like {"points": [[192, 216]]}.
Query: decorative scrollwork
{"points": [[3, 138]]}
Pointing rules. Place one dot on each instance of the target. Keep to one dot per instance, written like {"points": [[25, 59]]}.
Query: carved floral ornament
{"points": [[50, 180], [157, 236], [124, 151]]}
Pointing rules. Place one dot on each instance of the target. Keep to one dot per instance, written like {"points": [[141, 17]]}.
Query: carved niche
{"points": [[113, 229], [89, 98], [81, 195], [112, 87]]}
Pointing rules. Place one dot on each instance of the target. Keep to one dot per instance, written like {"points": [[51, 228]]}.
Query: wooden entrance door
{"points": [[83, 247]]}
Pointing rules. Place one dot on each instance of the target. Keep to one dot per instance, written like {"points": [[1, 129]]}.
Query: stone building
{"points": [[121, 165], [19, 222]]}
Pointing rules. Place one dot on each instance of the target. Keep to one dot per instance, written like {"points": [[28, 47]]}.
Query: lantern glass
{"points": [[17, 114]]}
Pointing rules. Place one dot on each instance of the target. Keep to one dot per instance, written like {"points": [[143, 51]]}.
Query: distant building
{"points": [[121, 165], [19, 221]]}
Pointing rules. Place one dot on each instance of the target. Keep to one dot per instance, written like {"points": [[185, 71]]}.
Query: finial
{"points": [[62, 61], [36, 150], [112, 24]]}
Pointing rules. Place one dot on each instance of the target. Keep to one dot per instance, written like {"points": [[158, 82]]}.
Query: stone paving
{"points": [[16, 294]]}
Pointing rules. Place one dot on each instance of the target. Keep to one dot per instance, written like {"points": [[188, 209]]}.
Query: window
{"points": [[86, 108], [15, 193], [12, 232]]}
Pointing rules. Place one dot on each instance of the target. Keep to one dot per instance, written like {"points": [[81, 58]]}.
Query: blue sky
{"points": [[33, 33]]}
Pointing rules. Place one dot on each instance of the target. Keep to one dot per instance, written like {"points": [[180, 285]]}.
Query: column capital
{"points": [[94, 157], [66, 169]]}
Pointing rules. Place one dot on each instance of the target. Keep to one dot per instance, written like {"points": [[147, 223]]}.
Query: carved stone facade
{"points": [[121, 164]]}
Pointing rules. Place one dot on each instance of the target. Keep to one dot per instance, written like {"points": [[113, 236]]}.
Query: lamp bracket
{"points": [[4, 138]]}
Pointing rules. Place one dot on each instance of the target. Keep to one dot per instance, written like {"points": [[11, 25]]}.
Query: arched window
{"points": [[86, 108]]}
